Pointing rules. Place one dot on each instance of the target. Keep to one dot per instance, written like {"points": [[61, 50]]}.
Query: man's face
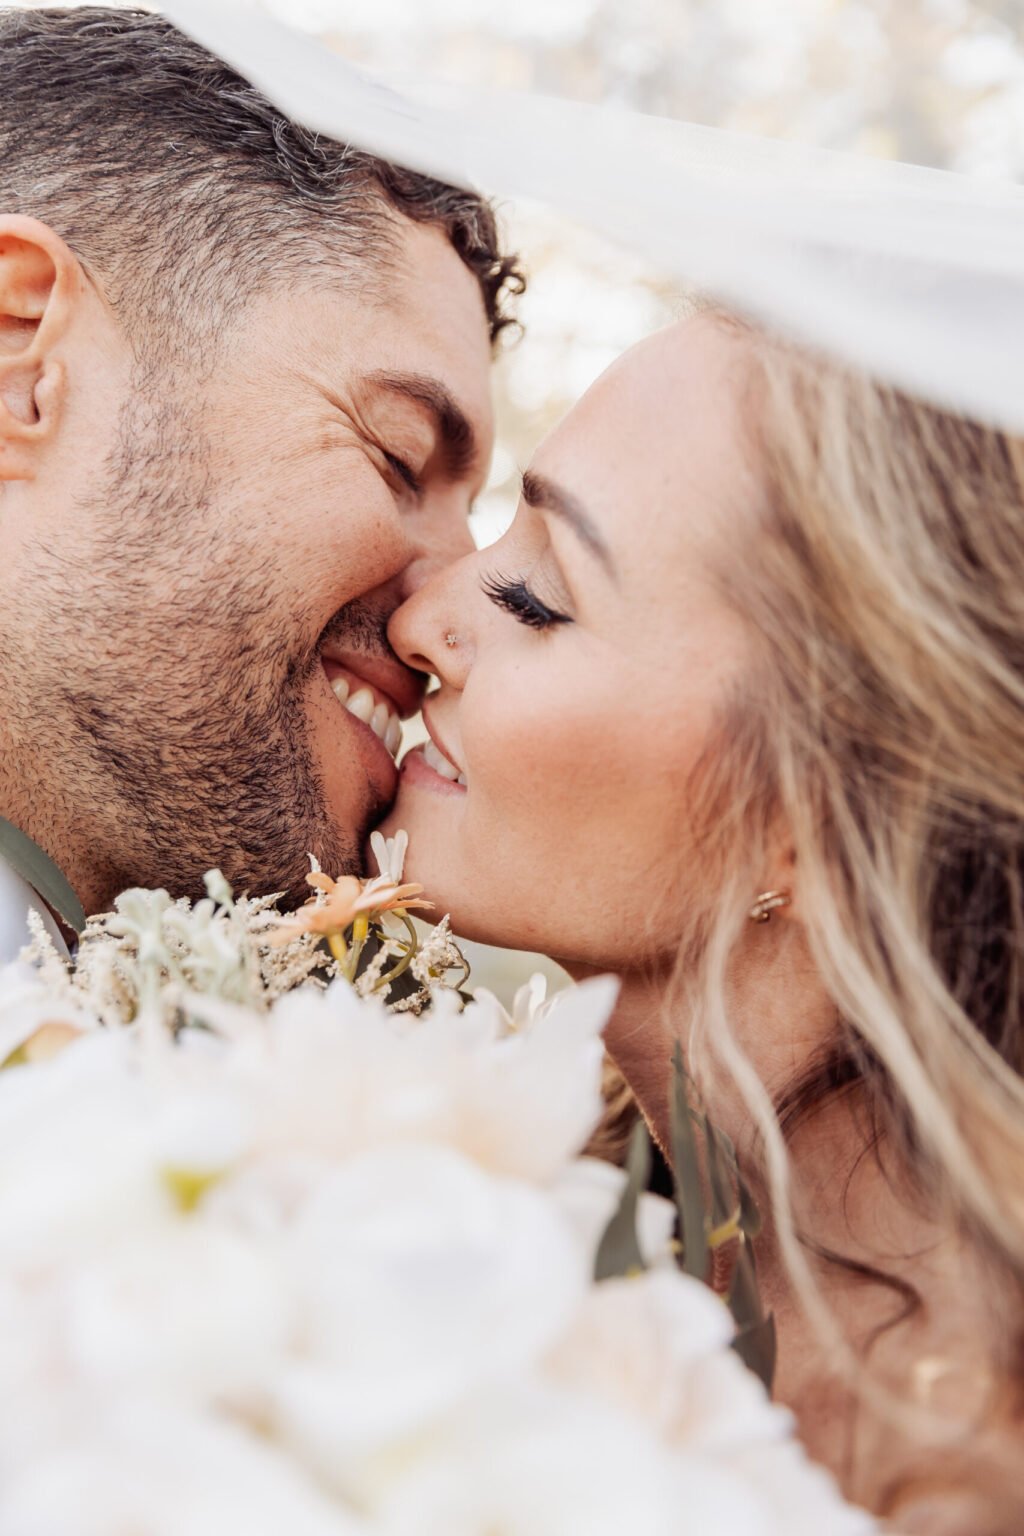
{"points": [[177, 625]]}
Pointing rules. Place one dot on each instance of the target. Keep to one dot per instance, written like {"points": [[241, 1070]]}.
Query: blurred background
{"points": [[935, 82]]}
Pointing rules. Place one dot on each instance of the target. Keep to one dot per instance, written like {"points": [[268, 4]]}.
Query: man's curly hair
{"points": [[185, 191]]}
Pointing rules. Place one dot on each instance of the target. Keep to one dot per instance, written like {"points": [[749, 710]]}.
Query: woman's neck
{"points": [[905, 1293]]}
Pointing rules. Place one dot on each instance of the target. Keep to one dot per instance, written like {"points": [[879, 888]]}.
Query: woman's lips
{"points": [[417, 771], [436, 753]]}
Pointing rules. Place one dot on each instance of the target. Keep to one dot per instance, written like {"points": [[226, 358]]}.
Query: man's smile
{"points": [[367, 704], [376, 692]]}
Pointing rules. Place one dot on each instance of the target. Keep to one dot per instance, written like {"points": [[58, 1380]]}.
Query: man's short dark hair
{"points": [[184, 189]]}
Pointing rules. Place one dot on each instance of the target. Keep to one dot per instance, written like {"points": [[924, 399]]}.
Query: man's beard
{"points": [[177, 732]]}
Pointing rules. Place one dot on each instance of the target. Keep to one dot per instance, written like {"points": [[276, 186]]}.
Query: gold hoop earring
{"points": [[767, 903]]}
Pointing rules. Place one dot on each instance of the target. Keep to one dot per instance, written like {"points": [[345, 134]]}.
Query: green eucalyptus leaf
{"points": [[723, 1201], [42, 874], [756, 1347], [750, 1216], [727, 1149], [755, 1332], [744, 1292], [618, 1252], [689, 1190]]}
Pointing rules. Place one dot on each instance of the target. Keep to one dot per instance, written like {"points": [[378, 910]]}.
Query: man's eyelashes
{"points": [[516, 598], [403, 472]]}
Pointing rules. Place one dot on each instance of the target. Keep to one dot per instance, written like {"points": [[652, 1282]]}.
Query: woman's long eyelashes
{"points": [[516, 598]]}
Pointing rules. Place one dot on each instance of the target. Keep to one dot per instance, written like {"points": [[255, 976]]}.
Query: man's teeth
{"points": [[381, 720], [441, 765]]}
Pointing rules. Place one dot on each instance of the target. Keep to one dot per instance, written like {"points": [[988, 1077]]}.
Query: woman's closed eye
{"points": [[518, 599]]}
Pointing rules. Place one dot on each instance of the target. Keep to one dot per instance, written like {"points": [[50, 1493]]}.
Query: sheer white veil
{"points": [[915, 275]]}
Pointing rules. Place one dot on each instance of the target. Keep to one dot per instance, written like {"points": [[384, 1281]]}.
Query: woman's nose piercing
{"points": [[451, 639]]}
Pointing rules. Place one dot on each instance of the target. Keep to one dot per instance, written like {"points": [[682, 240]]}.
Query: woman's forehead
{"points": [[658, 443]]}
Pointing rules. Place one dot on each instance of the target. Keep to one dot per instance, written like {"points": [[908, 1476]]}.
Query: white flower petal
{"points": [[418, 1277], [156, 1470], [588, 1192]]}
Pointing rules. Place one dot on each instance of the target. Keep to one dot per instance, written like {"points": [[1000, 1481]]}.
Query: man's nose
{"points": [[433, 555]]}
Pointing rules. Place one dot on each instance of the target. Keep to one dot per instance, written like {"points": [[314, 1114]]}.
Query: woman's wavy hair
{"points": [[882, 724]]}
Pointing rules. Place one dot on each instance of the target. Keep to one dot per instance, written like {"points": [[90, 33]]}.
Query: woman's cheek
{"points": [[529, 725], [537, 761]]}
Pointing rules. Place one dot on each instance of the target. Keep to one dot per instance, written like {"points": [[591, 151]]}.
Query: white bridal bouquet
{"points": [[279, 1259]]}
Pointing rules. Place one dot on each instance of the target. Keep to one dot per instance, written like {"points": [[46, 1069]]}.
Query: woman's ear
{"points": [[780, 896], [39, 278]]}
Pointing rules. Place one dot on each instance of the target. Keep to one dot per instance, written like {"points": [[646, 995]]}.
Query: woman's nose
{"points": [[432, 630]]}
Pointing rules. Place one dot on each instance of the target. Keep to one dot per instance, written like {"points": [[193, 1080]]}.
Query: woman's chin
{"points": [[474, 893], [429, 861]]}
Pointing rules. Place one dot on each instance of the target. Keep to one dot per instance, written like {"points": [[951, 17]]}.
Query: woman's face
{"points": [[582, 661]]}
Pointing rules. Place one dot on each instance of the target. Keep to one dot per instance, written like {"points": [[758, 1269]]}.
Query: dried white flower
{"points": [[438, 954], [390, 855]]}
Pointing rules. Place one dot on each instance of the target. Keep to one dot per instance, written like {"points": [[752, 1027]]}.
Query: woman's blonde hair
{"points": [[882, 724]]}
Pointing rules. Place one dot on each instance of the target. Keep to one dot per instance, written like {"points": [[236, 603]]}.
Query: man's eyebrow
{"points": [[454, 428], [545, 496]]}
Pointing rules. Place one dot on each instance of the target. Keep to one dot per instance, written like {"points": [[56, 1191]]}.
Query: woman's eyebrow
{"points": [[545, 496]]}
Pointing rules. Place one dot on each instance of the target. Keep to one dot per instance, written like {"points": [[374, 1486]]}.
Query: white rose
{"points": [[27, 1004], [537, 1096], [417, 1277], [157, 1470], [798, 1497], [657, 1345], [334, 1075], [532, 1461], [77, 1160], [184, 1308]]}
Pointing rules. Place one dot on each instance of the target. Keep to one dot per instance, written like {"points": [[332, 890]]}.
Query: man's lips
{"points": [[400, 687], [367, 705]]}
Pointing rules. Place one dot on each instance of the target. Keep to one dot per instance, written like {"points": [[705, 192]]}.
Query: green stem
{"points": [[400, 968], [352, 964], [407, 920]]}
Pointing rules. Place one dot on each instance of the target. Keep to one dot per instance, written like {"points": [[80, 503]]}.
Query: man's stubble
{"points": [[157, 687]]}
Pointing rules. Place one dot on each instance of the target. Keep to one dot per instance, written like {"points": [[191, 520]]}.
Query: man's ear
{"points": [[39, 277]]}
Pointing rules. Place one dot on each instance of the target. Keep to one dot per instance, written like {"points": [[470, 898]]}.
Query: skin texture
{"points": [[575, 739], [573, 835], [183, 544]]}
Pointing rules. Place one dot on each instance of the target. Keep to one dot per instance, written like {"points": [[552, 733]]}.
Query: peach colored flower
{"points": [[333, 915], [377, 899], [346, 899]]}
